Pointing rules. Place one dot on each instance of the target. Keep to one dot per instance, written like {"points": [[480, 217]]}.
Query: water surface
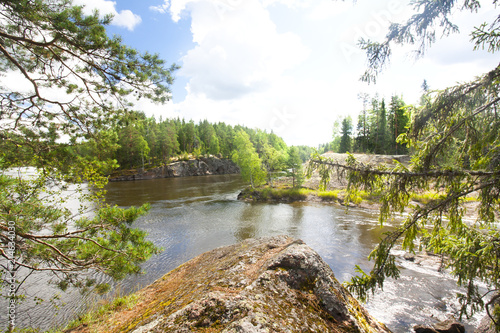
{"points": [[192, 215]]}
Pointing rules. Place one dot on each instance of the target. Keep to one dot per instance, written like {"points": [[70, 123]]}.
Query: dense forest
{"points": [[140, 141], [377, 130]]}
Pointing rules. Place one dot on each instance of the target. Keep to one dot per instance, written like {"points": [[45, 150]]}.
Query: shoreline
{"points": [[364, 200]]}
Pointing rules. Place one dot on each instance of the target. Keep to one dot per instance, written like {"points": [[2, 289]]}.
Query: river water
{"points": [[192, 215]]}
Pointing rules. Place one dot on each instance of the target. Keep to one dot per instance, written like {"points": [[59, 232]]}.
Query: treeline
{"points": [[377, 129], [140, 141]]}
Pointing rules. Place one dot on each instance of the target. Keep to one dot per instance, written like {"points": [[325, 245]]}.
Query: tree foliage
{"points": [[64, 85], [73, 72], [294, 167], [456, 143], [432, 18], [346, 135], [377, 129], [138, 141], [248, 160]]}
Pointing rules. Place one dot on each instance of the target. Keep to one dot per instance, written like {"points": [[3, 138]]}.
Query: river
{"points": [[192, 215]]}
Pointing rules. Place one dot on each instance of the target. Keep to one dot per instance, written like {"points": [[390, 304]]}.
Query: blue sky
{"points": [[290, 66]]}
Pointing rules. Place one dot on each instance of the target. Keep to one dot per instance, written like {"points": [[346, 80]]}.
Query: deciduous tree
{"points": [[248, 160]]}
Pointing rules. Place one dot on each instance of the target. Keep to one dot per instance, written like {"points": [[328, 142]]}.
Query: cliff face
{"points": [[273, 284], [199, 167]]}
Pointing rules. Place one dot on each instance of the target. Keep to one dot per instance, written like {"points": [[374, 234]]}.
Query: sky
{"points": [[287, 66]]}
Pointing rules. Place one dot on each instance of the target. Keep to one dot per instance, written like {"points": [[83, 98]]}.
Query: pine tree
{"points": [[398, 122], [363, 129], [294, 165], [381, 129], [346, 132], [74, 77]]}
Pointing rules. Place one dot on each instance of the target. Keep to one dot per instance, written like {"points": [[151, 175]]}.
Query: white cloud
{"points": [[238, 51], [177, 6], [328, 9], [161, 8], [125, 18], [283, 65]]}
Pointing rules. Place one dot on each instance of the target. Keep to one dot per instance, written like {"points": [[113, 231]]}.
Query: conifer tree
{"points": [[455, 137], [295, 170], [345, 138], [77, 83]]}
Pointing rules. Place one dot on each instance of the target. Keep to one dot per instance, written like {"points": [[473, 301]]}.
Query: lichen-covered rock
{"points": [[273, 284]]}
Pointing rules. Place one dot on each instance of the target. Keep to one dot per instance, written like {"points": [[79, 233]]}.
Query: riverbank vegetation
{"points": [[137, 141], [287, 194]]}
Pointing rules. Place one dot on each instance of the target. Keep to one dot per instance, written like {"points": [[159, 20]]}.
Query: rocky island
{"points": [[273, 284]]}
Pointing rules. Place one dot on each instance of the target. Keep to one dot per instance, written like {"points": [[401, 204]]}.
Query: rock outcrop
{"points": [[448, 326], [487, 325], [275, 284], [194, 167]]}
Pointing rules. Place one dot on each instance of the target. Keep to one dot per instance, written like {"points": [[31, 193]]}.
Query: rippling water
{"points": [[195, 214]]}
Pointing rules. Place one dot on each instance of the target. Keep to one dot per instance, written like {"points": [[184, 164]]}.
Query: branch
{"points": [[492, 302], [432, 174], [393, 237], [29, 41], [456, 127]]}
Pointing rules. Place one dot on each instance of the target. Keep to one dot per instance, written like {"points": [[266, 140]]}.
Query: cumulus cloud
{"points": [[328, 10], [238, 48], [125, 18], [293, 66]]}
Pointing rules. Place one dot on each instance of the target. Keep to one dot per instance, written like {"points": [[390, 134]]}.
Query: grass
{"points": [[425, 198], [430, 196], [279, 194], [101, 312], [329, 195], [284, 192]]}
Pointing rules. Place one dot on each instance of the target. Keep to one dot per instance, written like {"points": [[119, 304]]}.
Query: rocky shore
{"points": [[194, 167], [273, 284]]}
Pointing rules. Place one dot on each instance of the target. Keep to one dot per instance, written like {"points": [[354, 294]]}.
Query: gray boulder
{"points": [[275, 284]]}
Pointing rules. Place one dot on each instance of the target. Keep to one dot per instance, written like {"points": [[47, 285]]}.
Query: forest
{"points": [[377, 129], [135, 140]]}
